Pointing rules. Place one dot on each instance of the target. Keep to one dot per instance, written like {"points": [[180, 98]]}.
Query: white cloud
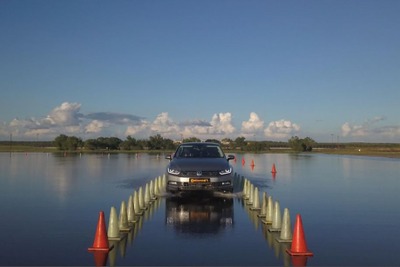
{"points": [[36, 132], [361, 130], [164, 125], [369, 132], [346, 129], [221, 123], [95, 126], [65, 115], [389, 131], [64, 119], [27, 123], [353, 130], [253, 125], [141, 129], [113, 118], [282, 129], [67, 119]]}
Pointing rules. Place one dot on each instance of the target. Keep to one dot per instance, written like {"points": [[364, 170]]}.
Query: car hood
{"points": [[195, 164]]}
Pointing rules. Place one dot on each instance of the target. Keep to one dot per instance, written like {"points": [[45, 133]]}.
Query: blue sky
{"points": [[266, 70]]}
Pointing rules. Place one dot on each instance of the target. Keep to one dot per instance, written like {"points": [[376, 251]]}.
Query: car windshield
{"points": [[199, 151]]}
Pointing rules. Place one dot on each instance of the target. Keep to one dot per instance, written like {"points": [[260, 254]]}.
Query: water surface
{"points": [[50, 205]]}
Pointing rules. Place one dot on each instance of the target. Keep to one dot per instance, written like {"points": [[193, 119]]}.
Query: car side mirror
{"points": [[168, 157], [230, 157]]}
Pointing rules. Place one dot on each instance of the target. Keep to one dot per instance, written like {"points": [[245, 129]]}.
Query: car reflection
{"points": [[198, 215]]}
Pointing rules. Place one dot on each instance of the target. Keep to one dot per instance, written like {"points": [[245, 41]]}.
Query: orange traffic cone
{"points": [[252, 163], [243, 161], [273, 168], [299, 246], [100, 242]]}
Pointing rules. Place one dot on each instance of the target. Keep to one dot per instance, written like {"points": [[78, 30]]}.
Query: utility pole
{"points": [[337, 142], [10, 143]]}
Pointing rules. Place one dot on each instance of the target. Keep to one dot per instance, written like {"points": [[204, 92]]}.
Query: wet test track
{"points": [[51, 202], [199, 217]]}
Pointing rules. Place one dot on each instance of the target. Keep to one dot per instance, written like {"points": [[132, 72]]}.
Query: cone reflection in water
{"points": [[100, 242], [299, 246], [100, 258], [299, 260], [112, 255]]}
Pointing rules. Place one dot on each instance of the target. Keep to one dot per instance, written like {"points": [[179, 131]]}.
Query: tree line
{"points": [[295, 143], [157, 142]]}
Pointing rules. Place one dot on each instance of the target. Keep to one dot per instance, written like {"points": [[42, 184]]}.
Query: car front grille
{"points": [[203, 173]]}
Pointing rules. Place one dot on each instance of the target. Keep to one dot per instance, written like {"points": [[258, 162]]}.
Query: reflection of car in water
{"points": [[199, 215]]}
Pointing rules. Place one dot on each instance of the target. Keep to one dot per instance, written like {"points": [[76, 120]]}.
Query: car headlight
{"points": [[225, 172], [173, 171]]}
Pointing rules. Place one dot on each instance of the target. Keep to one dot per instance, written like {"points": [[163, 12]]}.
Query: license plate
{"points": [[199, 180]]}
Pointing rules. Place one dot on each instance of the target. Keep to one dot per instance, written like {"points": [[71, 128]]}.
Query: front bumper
{"points": [[223, 183]]}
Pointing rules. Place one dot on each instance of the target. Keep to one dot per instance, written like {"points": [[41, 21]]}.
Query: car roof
{"points": [[200, 143]]}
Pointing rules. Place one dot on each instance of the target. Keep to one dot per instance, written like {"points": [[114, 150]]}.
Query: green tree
{"points": [[73, 142], [91, 144], [309, 143], [113, 143], [239, 142], [60, 141], [64, 142], [228, 143], [157, 142], [255, 146], [298, 144], [213, 141], [110, 143], [191, 139], [129, 144]]}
